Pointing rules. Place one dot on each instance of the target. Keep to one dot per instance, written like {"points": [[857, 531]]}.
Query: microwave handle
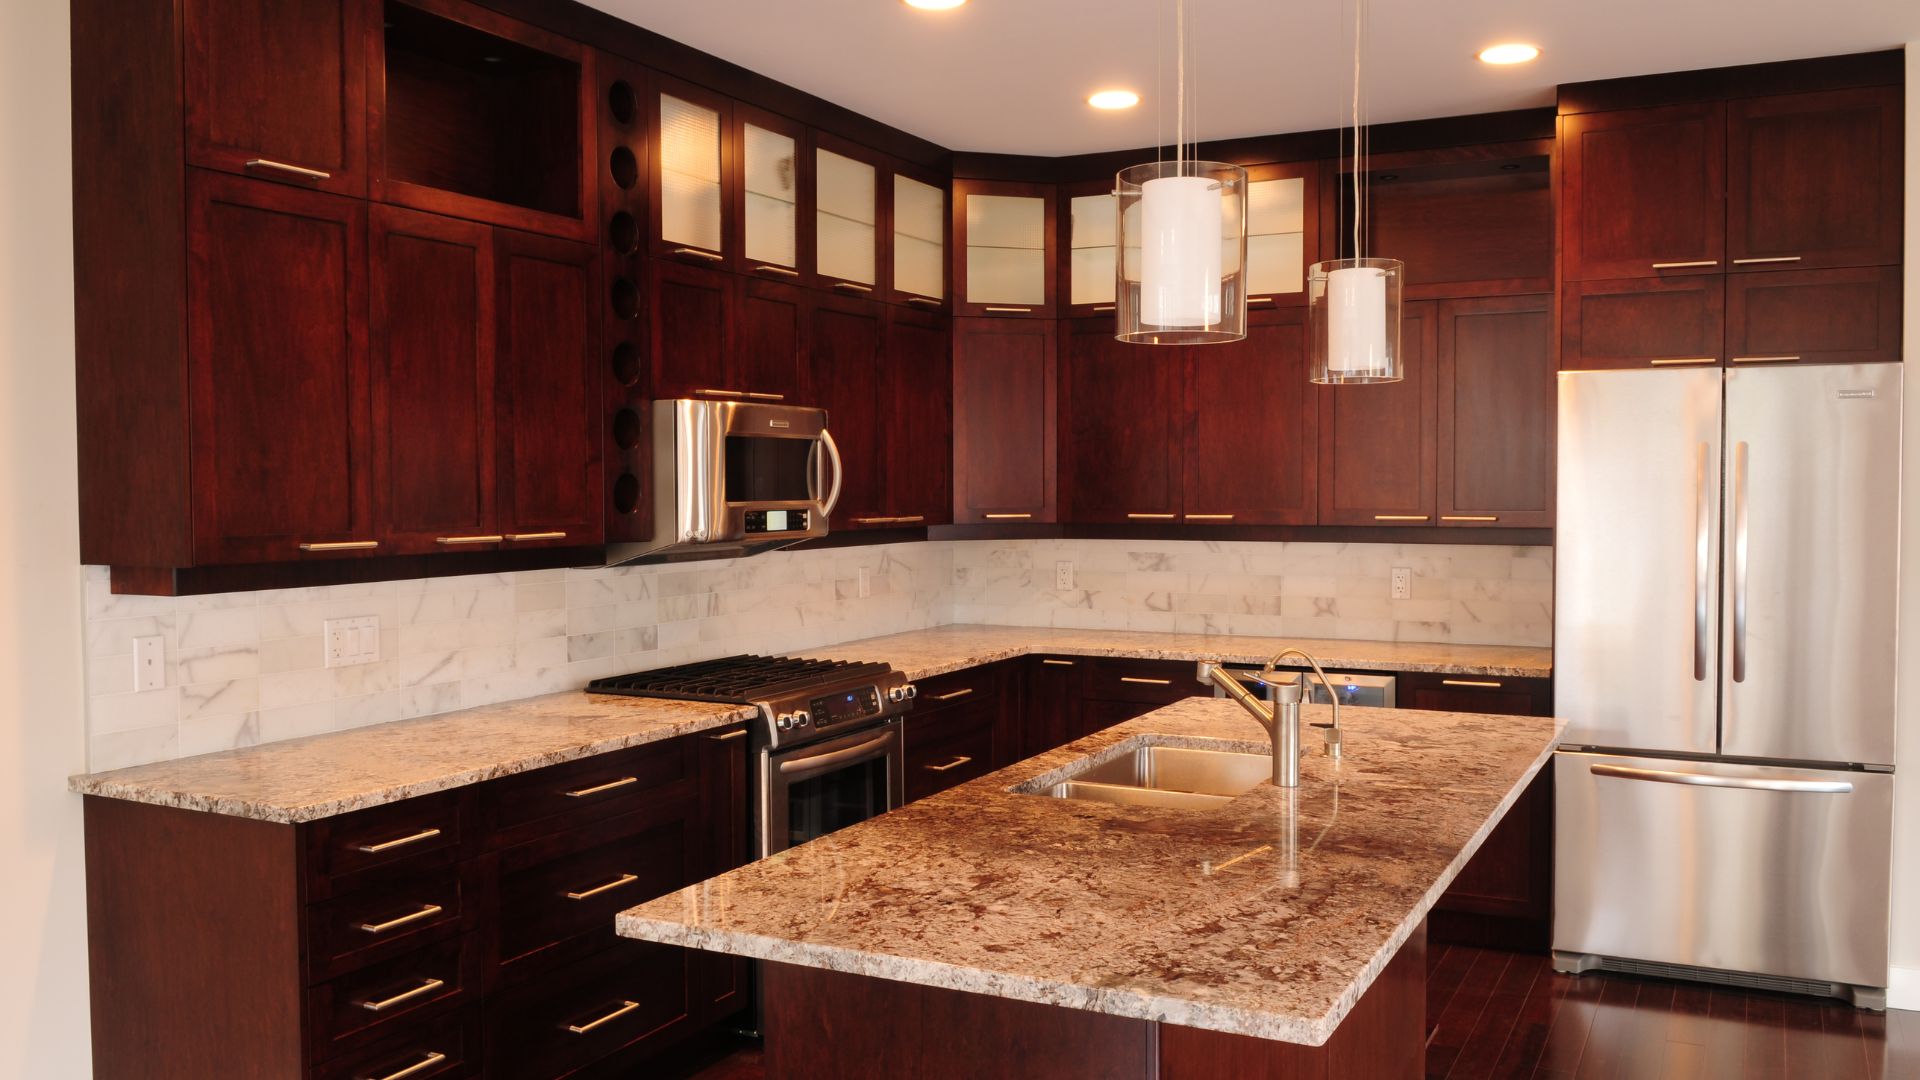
{"points": [[839, 472]]}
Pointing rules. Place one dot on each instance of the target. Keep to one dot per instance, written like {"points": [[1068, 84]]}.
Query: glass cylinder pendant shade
{"points": [[1181, 275], [1353, 320]]}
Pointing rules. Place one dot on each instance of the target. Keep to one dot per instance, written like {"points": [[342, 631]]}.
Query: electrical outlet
{"points": [[352, 641], [1063, 576], [150, 663], [866, 583], [1402, 583]]}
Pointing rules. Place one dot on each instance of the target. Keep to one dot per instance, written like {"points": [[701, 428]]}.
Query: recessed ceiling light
{"points": [[934, 5], [1512, 52], [1114, 99]]}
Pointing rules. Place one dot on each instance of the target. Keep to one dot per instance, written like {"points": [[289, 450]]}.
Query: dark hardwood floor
{"points": [[1497, 1014]]}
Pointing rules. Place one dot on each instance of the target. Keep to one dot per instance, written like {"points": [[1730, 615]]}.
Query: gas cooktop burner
{"points": [[739, 680]]}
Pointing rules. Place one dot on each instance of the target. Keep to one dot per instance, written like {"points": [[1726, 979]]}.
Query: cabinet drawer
{"points": [[1157, 682], [631, 992], [1476, 694], [572, 884], [439, 1048], [590, 789], [389, 996], [375, 923], [948, 748], [967, 687], [401, 838]]}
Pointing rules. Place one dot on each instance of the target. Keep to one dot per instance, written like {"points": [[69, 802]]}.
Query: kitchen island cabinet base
{"points": [[821, 1023]]}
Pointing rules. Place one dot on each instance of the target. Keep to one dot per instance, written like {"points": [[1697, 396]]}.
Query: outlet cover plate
{"points": [[352, 641], [1402, 583], [1063, 576], [150, 663]]}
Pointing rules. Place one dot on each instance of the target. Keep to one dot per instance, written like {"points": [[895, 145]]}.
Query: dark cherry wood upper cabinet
{"points": [[1088, 240], [919, 418], [1123, 426], [692, 173], [1474, 221], [845, 336], [1283, 231], [1814, 180], [771, 196], [1497, 400], [1004, 401], [1252, 416], [1643, 192], [277, 89], [1005, 248], [1841, 316], [1642, 322], [431, 282], [691, 312], [920, 224], [281, 432], [851, 194], [1378, 444], [548, 402], [769, 341]]}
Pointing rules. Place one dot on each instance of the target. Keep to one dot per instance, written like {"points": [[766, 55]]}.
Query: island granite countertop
{"points": [[325, 775], [1269, 916]]}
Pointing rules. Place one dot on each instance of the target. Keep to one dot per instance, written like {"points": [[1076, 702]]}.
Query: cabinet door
{"points": [[1643, 192], [1252, 417], [1051, 706], [1283, 232], [1090, 217], [1642, 322], [691, 313], [1841, 316], [1004, 242], [277, 89], [1123, 427], [919, 418], [1496, 401], [433, 381], [1814, 180], [692, 170], [849, 223], [716, 982], [281, 432], [919, 219], [549, 410], [774, 159], [844, 376], [1003, 421], [769, 342], [1378, 444]]}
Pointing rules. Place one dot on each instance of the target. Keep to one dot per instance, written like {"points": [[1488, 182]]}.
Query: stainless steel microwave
{"points": [[734, 478]]}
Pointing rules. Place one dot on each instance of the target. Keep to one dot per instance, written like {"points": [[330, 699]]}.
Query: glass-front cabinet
{"points": [[846, 216], [690, 170], [1091, 238], [1283, 231], [919, 241], [775, 184], [1005, 248]]}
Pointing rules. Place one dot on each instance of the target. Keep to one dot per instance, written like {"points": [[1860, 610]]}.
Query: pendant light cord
{"points": [[1180, 86], [1359, 153]]}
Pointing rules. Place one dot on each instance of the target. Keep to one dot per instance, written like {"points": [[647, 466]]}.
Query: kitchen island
{"points": [[992, 931]]}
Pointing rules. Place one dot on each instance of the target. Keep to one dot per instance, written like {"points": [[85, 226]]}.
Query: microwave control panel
{"points": [[776, 521]]}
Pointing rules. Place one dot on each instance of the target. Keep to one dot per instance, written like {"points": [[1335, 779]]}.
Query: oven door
{"points": [[812, 790]]}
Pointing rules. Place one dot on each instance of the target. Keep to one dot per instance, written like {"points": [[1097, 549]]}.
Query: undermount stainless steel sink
{"points": [[1170, 776]]}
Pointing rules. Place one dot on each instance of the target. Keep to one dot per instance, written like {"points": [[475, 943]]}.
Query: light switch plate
{"points": [[352, 641], [1063, 576], [1402, 583], [150, 663]]}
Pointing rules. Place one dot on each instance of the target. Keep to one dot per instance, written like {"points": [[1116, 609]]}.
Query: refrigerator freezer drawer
{"points": [[1772, 870]]}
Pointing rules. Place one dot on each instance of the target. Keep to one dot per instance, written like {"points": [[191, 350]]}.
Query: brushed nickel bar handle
{"points": [[598, 788], [1664, 776], [625, 1008], [389, 845], [952, 694], [1145, 681], [783, 271], [1673, 360], [710, 392], [434, 1057], [1002, 309], [427, 987], [341, 545], [876, 520], [958, 761], [623, 879], [1251, 300], [1210, 517], [924, 301], [909, 519], [1685, 265], [1400, 517], [291, 170], [1006, 517], [848, 286], [1058, 663], [1765, 359], [1739, 562], [558, 534], [491, 539], [1151, 517], [761, 396], [696, 253], [1469, 517], [1768, 259], [1702, 561], [1484, 684], [427, 912], [729, 736], [1102, 309]]}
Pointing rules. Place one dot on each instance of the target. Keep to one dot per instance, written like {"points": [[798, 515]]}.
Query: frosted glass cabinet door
{"points": [[690, 168], [919, 240], [1283, 232], [1008, 247], [770, 197], [846, 220], [1091, 249]]}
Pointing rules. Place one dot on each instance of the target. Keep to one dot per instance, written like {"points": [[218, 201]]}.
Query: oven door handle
{"points": [[808, 767], [839, 472]]}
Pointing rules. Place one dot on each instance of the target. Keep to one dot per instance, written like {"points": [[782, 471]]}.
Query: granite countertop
{"points": [[1269, 916], [324, 775]]}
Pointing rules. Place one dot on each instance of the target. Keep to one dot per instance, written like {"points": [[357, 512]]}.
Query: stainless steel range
{"points": [[826, 750]]}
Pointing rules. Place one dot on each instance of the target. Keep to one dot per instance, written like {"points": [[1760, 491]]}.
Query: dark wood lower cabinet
{"points": [[465, 932]]}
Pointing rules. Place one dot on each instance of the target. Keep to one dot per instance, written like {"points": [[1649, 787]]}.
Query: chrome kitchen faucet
{"points": [[1282, 720]]}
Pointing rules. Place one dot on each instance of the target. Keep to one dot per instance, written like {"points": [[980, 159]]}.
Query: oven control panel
{"points": [[858, 703], [774, 521]]}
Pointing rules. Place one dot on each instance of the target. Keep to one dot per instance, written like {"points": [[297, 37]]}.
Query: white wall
{"points": [[43, 997], [1905, 991]]}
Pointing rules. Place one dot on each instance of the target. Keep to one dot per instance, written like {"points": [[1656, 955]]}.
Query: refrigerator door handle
{"points": [[1663, 776], [1739, 562], [1702, 562]]}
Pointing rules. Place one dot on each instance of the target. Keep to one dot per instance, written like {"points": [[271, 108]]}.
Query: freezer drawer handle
{"points": [[1662, 776]]}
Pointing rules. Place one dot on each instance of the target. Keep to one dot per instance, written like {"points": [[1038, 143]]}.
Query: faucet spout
{"points": [[1330, 731], [1282, 723]]}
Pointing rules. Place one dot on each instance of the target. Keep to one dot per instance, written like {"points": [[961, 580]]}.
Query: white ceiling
{"points": [[1012, 76]]}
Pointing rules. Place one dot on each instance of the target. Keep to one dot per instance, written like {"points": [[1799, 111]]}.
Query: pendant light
{"points": [[1353, 305], [1182, 227]]}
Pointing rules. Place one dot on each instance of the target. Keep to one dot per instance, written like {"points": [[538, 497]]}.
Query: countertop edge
{"points": [[1331, 660]]}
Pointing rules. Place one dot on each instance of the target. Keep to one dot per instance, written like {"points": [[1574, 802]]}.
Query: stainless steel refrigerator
{"points": [[1724, 617]]}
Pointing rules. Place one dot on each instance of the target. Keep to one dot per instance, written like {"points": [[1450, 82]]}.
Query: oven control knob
{"points": [[784, 722], [802, 719]]}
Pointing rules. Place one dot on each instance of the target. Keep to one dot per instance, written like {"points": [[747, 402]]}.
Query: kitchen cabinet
{"points": [[1839, 316], [1091, 213], [1004, 239], [849, 216], [1466, 222], [920, 221], [1496, 405], [1814, 180], [715, 334], [479, 920], [692, 174], [1643, 192], [282, 453], [845, 368], [276, 89], [769, 341], [1642, 322], [1379, 444], [1004, 416], [960, 729], [918, 407], [775, 167], [1122, 426], [1283, 232], [1251, 420], [1051, 703]]}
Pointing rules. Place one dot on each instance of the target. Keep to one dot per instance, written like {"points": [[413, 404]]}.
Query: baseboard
{"points": [[1903, 988]]}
